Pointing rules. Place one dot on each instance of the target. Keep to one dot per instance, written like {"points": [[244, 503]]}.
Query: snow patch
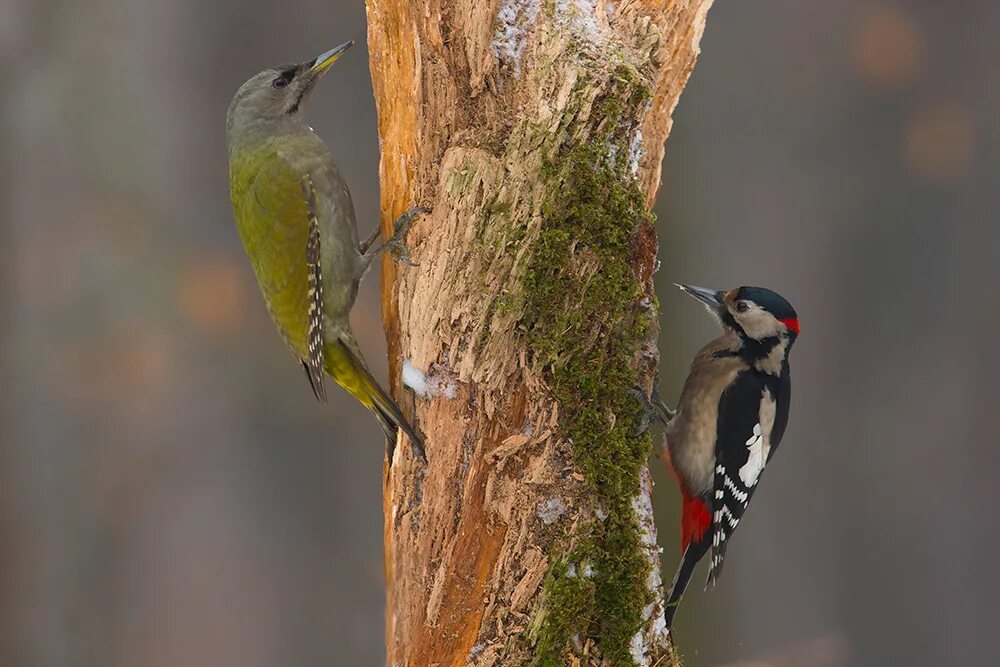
{"points": [[652, 613], [571, 571], [635, 154], [438, 382], [414, 378], [660, 625], [638, 648], [550, 510], [643, 506], [515, 20]]}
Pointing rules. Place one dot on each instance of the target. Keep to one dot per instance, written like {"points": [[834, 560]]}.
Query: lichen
{"points": [[515, 20], [583, 325], [550, 510], [580, 17]]}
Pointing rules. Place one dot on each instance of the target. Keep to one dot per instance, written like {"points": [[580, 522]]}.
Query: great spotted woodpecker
{"points": [[729, 421]]}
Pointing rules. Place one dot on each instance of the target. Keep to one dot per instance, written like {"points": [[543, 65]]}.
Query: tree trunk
{"points": [[534, 130]]}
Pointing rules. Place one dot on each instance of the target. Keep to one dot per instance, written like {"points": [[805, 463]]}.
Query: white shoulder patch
{"points": [[755, 462], [759, 443]]}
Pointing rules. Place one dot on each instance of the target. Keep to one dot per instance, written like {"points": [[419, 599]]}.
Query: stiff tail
{"points": [[391, 419], [695, 540], [350, 372], [693, 554]]}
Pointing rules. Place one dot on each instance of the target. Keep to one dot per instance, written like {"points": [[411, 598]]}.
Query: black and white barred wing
{"points": [[314, 364], [746, 418]]}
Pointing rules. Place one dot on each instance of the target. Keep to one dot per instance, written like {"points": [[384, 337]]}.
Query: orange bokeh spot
{"points": [[212, 296], [939, 143], [888, 48]]}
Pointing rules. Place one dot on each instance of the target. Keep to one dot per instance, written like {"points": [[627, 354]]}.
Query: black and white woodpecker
{"points": [[730, 419]]}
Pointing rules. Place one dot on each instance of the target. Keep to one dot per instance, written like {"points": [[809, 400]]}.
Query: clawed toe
{"points": [[652, 409], [395, 244], [400, 252]]}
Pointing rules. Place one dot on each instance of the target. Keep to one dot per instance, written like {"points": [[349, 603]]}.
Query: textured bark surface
{"points": [[534, 130]]}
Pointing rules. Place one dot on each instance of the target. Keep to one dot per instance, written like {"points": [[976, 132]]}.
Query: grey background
{"points": [[161, 504]]}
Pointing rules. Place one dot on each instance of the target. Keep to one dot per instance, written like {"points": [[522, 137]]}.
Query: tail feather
{"points": [[693, 553], [696, 519], [391, 419], [349, 370]]}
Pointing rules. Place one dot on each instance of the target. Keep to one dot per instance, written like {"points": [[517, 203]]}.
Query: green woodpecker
{"points": [[296, 220]]}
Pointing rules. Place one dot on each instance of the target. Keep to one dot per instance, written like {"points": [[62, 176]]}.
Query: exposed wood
{"points": [[484, 107]]}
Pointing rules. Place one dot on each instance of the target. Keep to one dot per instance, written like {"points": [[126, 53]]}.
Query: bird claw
{"points": [[404, 221], [653, 408], [395, 244], [398, 250], [664, 413], [647, 413], [401, 228]]}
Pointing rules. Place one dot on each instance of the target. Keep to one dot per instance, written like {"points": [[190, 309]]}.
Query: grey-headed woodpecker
{"points": [[730, 419]]}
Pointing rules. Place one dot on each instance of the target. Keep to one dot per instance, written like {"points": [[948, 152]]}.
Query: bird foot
{"points": [[400, 229], [395, 244], [398, 250], [653, 408], [663, 412]]}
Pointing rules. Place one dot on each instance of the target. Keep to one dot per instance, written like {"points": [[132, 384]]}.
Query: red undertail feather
{"points": [[695, 520]]}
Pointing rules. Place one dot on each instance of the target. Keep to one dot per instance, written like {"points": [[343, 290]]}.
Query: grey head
{"points": [[272, 101]]}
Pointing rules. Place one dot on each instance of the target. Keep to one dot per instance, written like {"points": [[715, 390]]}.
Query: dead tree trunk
{"points": [[534, 129]]}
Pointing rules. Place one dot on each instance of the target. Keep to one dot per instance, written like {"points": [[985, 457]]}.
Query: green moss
{"points": [[495, 228], [555, 624], [583, 326]]}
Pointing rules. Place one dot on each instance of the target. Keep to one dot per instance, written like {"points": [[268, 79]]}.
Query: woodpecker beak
{"points": [[324, 60], [712, 299]]}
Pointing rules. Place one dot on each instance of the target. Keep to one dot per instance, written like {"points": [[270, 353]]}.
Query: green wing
{"points": [[273, 221]]}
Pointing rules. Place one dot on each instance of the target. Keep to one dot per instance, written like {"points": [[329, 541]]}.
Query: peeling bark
{"points": [[534, 130]]}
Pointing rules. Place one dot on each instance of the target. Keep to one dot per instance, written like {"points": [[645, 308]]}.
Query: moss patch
{"points": [[583, 327]]}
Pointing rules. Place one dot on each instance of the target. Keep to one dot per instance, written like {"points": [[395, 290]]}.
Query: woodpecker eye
{"points": [[742, 306], [284, 78]]}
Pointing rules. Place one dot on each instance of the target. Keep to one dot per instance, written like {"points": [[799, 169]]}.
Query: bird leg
{"points": [[663, 412], [395, 244], [653, 408], [367, 243]]}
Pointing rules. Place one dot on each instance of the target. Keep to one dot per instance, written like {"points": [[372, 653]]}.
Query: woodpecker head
{"points": [[755, 314], [273, 99]]}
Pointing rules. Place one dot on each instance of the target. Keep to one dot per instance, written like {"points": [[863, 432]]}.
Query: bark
{"points": [[534, 130]]}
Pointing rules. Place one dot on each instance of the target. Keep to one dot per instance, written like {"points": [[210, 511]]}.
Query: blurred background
{"points": [[160, 505]]}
